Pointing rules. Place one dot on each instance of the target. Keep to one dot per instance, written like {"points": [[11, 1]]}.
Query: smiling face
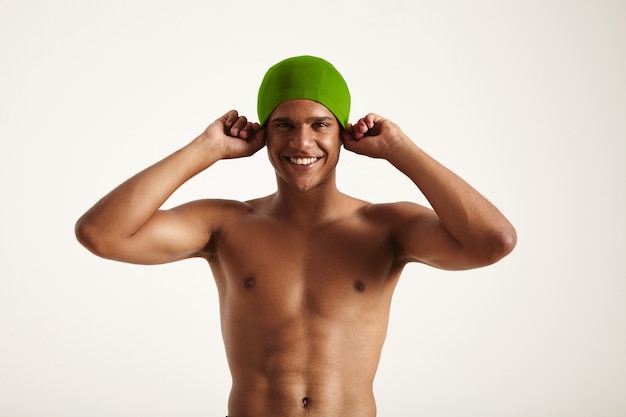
{"points": [[303, 143]]}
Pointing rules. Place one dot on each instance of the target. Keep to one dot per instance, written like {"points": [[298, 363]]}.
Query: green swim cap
{"points": [[304, 77]]}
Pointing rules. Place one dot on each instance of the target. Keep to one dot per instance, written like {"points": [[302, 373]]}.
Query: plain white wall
{"points": [[524, 99]]}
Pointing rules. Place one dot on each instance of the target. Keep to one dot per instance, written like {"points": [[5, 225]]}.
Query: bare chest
{"points": [[265, 262]]}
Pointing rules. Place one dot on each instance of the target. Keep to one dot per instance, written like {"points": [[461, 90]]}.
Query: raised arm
{"points": [[128, 225], [464, 230]]}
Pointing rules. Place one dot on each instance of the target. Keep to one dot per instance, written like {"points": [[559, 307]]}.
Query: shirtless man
{"points": [[305, 276]]}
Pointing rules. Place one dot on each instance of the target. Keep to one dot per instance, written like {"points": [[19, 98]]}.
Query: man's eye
{"points": [[320, 124]]}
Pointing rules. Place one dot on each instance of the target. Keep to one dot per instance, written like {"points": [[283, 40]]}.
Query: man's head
{"points": [[304, 77]]}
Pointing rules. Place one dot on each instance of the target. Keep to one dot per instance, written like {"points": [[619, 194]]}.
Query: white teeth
{"points": [[302, 161]]}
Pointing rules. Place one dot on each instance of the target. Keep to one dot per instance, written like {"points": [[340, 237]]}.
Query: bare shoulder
{"points": [[396, 213], [213, 213]]}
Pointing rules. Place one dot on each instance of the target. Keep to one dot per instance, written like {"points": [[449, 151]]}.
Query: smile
{"points": [[302, 161]]}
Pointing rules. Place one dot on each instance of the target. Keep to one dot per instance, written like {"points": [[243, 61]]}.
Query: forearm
{"points": [[468, 216], [123, 211]]}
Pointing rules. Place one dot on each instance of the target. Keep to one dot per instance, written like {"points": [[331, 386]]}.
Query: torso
{"points": [[304, 311]]}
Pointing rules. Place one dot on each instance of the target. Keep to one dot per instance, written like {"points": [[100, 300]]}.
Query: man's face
{"points": [[303, 143]]}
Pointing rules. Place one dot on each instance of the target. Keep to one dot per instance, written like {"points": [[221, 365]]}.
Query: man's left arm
{"points": [[463, 230]]}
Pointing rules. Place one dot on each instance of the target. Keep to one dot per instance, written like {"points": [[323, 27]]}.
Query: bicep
{"points": [[171, 235], [420, 236], [166, 237]]}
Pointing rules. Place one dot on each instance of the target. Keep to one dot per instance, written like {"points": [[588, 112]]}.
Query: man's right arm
{"points": [[128, 225]]}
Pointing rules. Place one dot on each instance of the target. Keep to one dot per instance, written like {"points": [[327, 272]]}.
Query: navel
{"points": [[249, 282], [306, 402], [359, 286]]}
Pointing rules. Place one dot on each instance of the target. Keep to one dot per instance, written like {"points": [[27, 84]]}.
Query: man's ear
{"points": [[346, 134], [260, 133]]}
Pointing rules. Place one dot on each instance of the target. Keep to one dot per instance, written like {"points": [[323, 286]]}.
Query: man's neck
{"points": [[313, 207]]}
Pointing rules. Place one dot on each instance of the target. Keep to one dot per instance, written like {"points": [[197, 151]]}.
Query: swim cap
{"points": [[304, 77]]}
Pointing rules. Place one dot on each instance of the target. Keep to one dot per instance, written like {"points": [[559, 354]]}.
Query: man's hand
{"points": [[373, 136], [234, 136]]}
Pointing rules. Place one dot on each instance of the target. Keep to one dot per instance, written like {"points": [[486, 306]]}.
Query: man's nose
{"points": [[303, 138]]}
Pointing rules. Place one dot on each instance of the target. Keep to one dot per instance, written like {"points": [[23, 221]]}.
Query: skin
{"points": [[305, 276]]}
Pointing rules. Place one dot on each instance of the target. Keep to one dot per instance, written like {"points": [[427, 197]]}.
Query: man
{"points": [[305, 276]]}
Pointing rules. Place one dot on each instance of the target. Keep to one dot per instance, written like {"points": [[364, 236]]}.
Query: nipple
{"points": [[249, 283], [360, 286]]}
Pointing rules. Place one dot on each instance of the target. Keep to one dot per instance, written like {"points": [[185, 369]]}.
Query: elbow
{"points": [[490, 246], [89, 235], [500, 243]]}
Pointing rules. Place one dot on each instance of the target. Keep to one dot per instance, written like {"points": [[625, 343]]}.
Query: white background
{"points": [[524, 99]]}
